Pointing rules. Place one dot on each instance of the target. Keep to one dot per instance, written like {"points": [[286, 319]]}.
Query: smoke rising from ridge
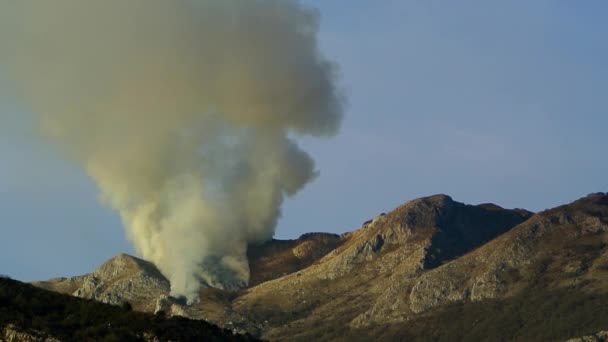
{"points": [[181, 111]]}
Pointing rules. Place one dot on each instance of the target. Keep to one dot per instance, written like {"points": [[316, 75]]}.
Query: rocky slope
{"points": [[121, 279], [277, 258], [28, 313], [11, 333], [430, 258], [559, 247]]}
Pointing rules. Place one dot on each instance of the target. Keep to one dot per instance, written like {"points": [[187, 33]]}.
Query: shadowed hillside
{"points": [[277, 258], [26, 310]]}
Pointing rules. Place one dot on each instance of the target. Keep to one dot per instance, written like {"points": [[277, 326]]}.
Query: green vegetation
{"points": [[73, 319]]}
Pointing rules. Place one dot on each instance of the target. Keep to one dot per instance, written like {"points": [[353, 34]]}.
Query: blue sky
{"points": [[486, 101]]}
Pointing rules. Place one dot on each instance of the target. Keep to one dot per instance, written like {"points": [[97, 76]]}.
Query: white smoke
{"points": [[181, 111]]}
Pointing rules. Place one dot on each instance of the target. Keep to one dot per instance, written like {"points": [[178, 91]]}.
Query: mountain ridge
{"points": [[425, 255]]}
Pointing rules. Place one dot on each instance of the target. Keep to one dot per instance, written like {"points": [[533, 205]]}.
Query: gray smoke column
{"points": [[182, 112]]}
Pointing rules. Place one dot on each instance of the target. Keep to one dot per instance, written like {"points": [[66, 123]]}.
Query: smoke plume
{"points": [[182, 112]]}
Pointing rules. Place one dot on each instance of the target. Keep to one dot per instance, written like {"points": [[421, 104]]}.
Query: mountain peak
{"points": [[437, 199], [537, 254], [427, 231], [123, 265]]}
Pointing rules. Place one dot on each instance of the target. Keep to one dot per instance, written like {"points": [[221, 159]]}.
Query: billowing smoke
{"points": [[182, 113]]}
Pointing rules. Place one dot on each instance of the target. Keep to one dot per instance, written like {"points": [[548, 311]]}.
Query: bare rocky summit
{"points": [[431, 263], [123, 278]]}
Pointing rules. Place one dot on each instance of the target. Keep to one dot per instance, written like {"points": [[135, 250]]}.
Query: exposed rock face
{"points": [[515, 260], [443, 228], [601, 336], [123, 278], [418, 258]]}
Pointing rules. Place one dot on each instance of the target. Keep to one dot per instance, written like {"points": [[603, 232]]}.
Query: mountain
{"points": [[277, 258], [28, 313], [432, 268]]}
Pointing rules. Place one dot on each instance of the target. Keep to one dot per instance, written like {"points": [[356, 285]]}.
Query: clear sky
{"points": [[487, 101]]}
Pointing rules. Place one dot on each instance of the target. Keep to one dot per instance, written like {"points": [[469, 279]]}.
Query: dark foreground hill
{"points": [[28, 313], [431, 269]]}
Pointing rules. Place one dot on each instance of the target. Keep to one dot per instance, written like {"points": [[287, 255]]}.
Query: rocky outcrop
{"points": [[123, 278], [601, 336], [444, 228], [11, 333], [126, 279]]}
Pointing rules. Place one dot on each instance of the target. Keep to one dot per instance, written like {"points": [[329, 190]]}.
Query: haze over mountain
{"points": [[420, 271]]}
